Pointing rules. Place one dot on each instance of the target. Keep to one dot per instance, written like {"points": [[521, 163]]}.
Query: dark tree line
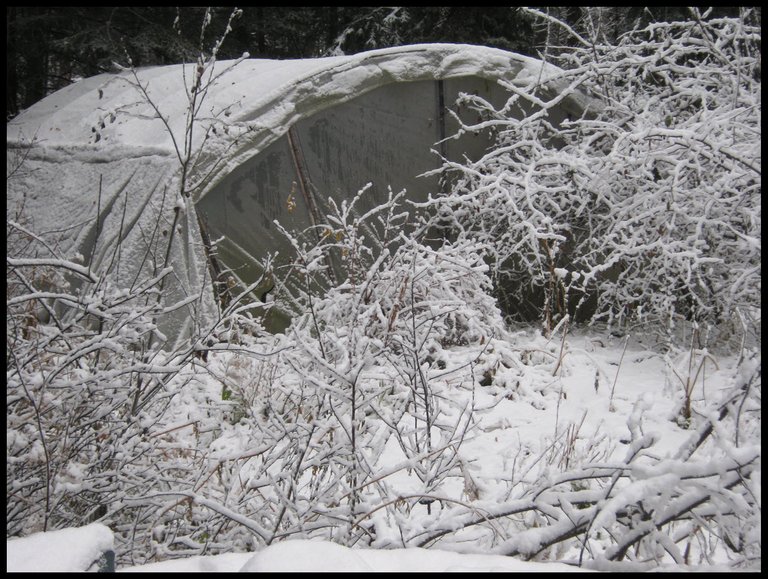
{"points": [[49, 47]]}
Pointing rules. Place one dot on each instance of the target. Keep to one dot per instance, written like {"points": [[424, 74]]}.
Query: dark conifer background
{"points": [[50, 47]]}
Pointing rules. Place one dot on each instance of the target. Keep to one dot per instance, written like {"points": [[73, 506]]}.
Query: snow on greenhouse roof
{"points": [[261, 96]]}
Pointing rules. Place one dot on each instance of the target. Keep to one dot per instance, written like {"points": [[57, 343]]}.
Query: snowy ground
{"points": [[76, 549], [576, 403], [322, 556]]}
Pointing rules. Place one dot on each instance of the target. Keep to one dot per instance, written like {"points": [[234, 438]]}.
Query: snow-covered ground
{"points": [[77, 549], [323, 556], [574, 403]]}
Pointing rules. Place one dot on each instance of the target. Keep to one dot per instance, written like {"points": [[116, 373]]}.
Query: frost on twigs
{"points": [[644, 212]]}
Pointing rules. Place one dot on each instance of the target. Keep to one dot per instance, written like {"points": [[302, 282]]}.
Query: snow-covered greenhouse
{"points": [[102, 160]]}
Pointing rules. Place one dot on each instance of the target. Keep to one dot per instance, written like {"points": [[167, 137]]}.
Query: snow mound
{"points": [[324, 556], [59, 551], [311, 556]]}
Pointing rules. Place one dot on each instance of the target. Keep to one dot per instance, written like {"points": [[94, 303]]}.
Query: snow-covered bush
{"points": [[644, 211], [91, 384], [696, 505], [357, 370], [75, 371]]}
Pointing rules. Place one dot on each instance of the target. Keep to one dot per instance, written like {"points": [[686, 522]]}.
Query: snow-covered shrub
{"points": [[90, 381], [76, 378], [697, 504], [364, 367], [374, 273], [371, 341], [647, 209]]}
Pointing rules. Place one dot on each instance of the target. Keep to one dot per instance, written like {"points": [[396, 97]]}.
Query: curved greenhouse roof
{"points": [[97, 165]]}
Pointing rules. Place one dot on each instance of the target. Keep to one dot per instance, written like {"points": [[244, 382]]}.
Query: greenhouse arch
{"points": [[274, 141]]}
